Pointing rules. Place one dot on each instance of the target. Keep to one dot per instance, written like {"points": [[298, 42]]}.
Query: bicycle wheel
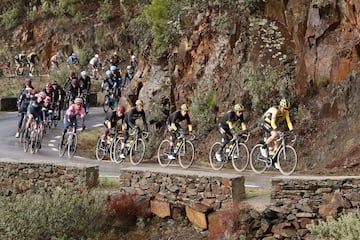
{"points": [[101, 150], [117, 151], [106, 104], [215, 164], [63, 147], [137, 151], [257, 161], [186, 154], [163, 153], [240, 157], [27, 140], [72, 144], [287, 160], [34, 142]]}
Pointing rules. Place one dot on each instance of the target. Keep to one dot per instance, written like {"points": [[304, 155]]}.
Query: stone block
{"points": [[196, 218], [160, 209]]}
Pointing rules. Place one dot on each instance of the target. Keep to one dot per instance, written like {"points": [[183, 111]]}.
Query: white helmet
{"points": [[97, 55]]}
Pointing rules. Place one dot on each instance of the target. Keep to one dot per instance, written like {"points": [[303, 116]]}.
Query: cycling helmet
{"points": [[128, 67], [97, 55], [54, 82], [73, 54], [120, 109], [139, 103], [42, 95], [115, 53], [113, 68], [79, 101], [74, 81], [132, 57], [48, 85], [28, 81], [47, 99], [84, 73], [285, 103], [184, 107], [108, 73], [239, 107]]}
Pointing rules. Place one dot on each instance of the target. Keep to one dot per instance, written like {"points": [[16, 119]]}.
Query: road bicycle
{"points": [[106, 147], [183, 150], [135, 147], [285, 156], [236, 151], [69, 144], [22, 131], [33, 137]]}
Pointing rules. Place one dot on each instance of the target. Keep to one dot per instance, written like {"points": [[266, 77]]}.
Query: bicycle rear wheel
{"points": [[106, 104], [163, 153], [137, 151], [72, 144], [257, 161], [101, 150], [27, 140], [34, 141], [215, 164], [186, 154], [240, 157], [287, 160], [117, 151]]}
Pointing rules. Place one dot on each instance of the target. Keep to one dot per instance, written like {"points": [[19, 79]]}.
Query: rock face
{"points": [[313, 46]]}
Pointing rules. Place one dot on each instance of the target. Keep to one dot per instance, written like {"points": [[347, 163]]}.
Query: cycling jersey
{"points": [[270, 116], [132, 115], [176, 117], [111, 119], [228, 121]]}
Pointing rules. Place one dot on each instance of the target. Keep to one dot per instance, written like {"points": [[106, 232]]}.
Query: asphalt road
{"points": [[10, 147]]}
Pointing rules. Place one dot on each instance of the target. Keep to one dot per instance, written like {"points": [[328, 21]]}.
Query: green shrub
{"points": [[347, 226], [267, 84], [203, 108], [54, 215], [10, 16], [104, 13]]}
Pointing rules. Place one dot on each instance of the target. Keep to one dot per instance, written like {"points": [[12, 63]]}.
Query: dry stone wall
{"points": [[19, 176]]}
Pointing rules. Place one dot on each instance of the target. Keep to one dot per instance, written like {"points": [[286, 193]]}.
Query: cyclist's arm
{"points": [[288, 121]]}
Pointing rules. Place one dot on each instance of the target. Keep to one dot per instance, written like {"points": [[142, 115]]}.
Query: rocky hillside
{"points": [[213, 54]]}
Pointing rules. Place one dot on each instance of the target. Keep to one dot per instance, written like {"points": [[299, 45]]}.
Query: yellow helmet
{"points": [[239, 107], [139, 103], [184, 107], [285, 103]]}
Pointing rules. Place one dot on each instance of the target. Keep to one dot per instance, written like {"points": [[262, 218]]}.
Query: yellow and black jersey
{"points": [[272, 114], [229, 120]]}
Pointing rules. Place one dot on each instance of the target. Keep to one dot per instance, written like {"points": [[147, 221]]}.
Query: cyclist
{"points": [[74, 90], [107, 83], [114, 60], [48, 89], [73, 59], [133, 62], [128, 75], [54, 60], [57, 99], [20, 62], [69, 79], [130, 117], [95, 65], [25, 95], [74, 110], [268, 124], [227, 127], [34, 109], [85, 85], [111, 120], [174, 126], [117, 80], [45, 110], [32, 59]]}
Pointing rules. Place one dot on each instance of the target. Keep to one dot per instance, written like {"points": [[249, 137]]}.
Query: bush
{"points": [[104, 13], [10, 16], [59, 214], [347, 226]]}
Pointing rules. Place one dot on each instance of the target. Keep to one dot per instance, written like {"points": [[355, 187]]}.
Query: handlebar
{"points": [[182, 135]]}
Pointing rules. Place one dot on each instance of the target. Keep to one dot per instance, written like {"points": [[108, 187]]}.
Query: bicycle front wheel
{"points": [[106, 104], [100, 151], [72, 144], [137, 151], [257, 161], [215, 164], [27, 140], [186, 154], [240, 157], [163, 153], [117, 151], [287, 160]]}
